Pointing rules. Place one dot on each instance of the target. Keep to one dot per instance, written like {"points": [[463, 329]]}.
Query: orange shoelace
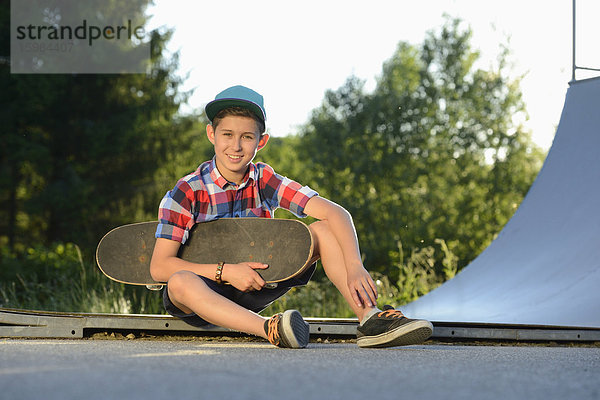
{"points": [[273, 334], [391, 314]]}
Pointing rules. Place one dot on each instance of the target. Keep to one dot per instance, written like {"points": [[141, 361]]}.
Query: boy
{"points": [[230, 185]]}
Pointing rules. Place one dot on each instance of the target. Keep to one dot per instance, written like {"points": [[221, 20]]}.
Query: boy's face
{"points": [[236, 140]]}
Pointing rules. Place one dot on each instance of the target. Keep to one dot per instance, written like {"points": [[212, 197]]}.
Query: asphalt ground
{"points": [[242, 369]]}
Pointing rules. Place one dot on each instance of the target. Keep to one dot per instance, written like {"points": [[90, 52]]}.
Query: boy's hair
{"points": [[238, 112]]}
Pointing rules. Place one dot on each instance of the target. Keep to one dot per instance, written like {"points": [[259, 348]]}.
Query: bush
{"points": [[56, 278], [417, 275]]}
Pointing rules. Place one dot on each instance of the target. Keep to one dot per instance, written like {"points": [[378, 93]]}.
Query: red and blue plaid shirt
{"points": [[205, 195]]}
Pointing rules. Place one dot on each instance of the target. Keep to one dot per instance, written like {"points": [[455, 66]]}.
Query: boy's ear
{"points": [[262, 142], [210, 133]]}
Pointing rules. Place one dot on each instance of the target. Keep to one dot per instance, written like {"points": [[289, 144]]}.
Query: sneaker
{"points": [[287, 330], [391, 328]]}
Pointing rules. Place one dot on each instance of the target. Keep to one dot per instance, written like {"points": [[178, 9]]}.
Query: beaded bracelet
{"points": [[219, 273]]}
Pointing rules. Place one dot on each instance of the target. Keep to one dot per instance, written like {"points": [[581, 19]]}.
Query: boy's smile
{"points": [[236, 140]]}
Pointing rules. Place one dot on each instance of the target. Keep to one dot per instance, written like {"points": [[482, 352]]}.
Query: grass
{"points": [[56, 278]]}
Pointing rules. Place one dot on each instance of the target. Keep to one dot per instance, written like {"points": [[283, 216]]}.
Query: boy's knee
{"points": [[319, 227], [178, 283], [321, 234]]}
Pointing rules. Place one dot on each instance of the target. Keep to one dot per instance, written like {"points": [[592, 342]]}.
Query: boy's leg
{"points": [[190, 294], [377, 328], [332, 259]]}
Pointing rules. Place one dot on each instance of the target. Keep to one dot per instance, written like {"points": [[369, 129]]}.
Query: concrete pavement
{"points": [[237, 369]]}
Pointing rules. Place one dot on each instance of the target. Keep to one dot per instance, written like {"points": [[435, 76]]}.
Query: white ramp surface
{"points": [[544, 267]]}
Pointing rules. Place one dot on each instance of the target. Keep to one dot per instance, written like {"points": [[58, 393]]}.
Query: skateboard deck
{"points": [[124, 253]]}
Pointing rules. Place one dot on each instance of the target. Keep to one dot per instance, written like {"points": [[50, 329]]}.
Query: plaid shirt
{"points": [[205, 195]]}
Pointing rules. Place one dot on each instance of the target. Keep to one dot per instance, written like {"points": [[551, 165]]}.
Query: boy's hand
{"points": [[362, 288], [243, 276]]}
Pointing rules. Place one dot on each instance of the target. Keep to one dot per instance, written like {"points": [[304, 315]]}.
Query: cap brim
{"points": [[213, 108]]}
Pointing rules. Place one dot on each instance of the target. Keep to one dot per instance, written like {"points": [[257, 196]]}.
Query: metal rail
{"points": [[44, 324], [574, 63]]}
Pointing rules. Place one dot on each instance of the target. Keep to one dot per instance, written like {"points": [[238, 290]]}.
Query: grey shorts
{"points": [[255, 301]]}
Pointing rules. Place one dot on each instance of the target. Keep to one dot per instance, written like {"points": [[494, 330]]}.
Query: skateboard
{"points": [[124, 253]]}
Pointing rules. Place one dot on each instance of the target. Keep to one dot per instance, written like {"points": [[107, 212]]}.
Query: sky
{"points": [[293, 51]]}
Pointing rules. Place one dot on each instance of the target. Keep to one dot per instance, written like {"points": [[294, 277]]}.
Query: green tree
{"points": [[81, 152], [433, 152]]}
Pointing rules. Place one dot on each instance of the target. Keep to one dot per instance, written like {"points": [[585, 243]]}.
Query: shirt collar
{"points": [[217, 178]]}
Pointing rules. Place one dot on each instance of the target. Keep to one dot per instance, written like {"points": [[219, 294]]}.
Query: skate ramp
{"points": [[544, 266]]}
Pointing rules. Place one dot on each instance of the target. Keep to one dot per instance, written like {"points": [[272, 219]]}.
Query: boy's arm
{"points": [[165, 263], [360, 283]]}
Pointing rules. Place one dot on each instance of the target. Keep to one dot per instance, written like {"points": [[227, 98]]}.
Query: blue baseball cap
{"points": [[237, 96]]}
